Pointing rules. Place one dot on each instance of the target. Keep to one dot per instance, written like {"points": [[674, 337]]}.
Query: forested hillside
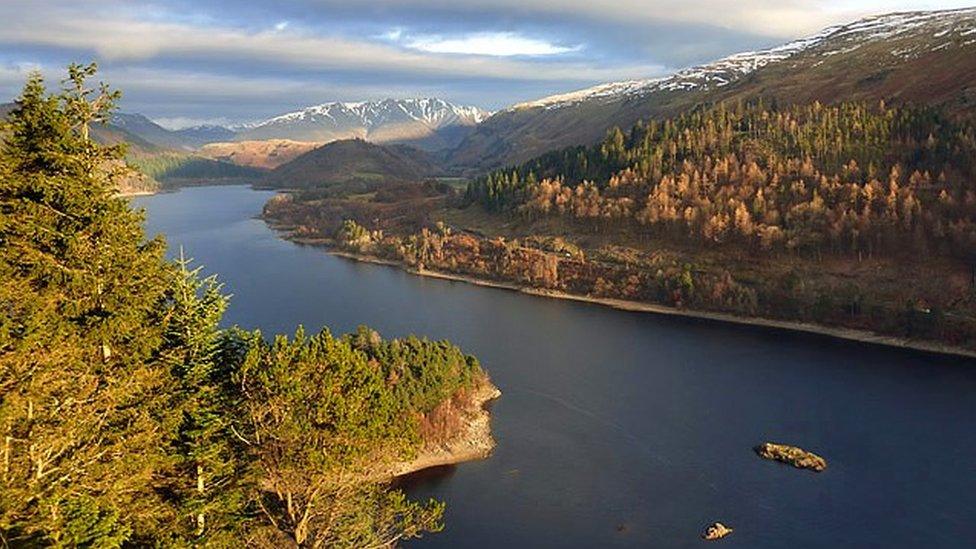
{"points": [[130, 418], [179, 167], [854, 178]]}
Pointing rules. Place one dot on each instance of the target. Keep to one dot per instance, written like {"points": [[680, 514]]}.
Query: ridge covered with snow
{"points": [[432, 112], [951, 26]]}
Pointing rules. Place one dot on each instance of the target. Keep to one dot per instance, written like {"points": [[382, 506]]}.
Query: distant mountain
{"points": [[198, 136], [354, 162], [147, 130], [427, 123], [923, 57], [112, 134], [183, 139]]}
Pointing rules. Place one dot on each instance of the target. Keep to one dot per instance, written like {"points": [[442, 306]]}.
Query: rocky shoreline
{"points": [[473, 442], [849, 334]]}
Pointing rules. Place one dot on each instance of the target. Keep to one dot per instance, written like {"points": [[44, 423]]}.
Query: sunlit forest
{"points": [[851, 178]]}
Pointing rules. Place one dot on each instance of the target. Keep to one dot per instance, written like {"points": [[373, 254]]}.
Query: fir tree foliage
{"points": [[82, 296]]}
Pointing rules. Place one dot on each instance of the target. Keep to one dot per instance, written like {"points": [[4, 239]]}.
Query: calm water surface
{"points": [[625, 429]]}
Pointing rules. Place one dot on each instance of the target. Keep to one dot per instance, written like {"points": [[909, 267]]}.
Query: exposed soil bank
{"points": [[472, 442]]}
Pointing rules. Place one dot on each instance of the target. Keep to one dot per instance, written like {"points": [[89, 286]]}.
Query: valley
{"points": [[771, 230], [304, 292]]}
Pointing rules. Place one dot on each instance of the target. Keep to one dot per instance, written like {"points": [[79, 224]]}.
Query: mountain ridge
{"points": [[428, 123], [843, 59]]}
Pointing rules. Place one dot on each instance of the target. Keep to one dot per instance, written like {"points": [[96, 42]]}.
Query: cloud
{"points": [[772, 18], [180, 122], [133, 40], [185, 59], [500, 44]]}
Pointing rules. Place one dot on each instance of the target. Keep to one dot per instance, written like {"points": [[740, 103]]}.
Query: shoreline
{"points": [[475, 441], [132, 194], [849, 334], [177, 185]]}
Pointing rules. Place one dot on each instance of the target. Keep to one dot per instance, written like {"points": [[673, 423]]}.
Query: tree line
{"points": [[129, 417]]}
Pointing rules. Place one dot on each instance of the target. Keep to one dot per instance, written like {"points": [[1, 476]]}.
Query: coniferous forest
{"points": [[130, 417]]}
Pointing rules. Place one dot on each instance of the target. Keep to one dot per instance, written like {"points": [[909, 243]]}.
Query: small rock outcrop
{"points": [[716, 531], [797, 457]]}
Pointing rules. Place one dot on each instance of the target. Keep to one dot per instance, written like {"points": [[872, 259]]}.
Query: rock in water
{"points": [[797, 457], [716, 531]]}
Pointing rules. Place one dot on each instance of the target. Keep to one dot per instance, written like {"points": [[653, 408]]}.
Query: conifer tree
{"points": [[81, 301], [207, 479]]}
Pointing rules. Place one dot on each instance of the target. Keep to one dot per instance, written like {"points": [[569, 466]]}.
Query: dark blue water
{"points": [[628, 429]]}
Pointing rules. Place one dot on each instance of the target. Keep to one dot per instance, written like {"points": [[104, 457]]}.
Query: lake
{"points": [[620, 429]]}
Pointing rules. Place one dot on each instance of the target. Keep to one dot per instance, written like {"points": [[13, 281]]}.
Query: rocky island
{"points": [[716, 531], [797, 457]]}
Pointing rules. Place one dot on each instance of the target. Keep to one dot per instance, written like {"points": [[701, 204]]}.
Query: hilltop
{"points": [[353, 161]]}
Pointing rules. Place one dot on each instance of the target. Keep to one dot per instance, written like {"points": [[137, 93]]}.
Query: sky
{"points": [[187, 62]]}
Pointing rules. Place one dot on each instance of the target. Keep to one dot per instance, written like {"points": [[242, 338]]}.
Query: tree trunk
{"points": [[201, 519]]}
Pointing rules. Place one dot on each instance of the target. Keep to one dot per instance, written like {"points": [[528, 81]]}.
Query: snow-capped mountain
{"points": [[955, 27], [918, 57], [432, 122]]}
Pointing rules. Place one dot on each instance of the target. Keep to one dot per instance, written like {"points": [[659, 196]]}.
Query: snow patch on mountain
{"points": [[716, 74]]}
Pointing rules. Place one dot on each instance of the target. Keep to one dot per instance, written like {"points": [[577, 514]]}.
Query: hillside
{"points": [[147, 130], [922, 57], [353, 161], [426, 123], [177, 169], [257, 154]]}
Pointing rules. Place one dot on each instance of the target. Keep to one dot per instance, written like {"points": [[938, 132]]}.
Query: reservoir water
{"points": [[620, 429]]}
